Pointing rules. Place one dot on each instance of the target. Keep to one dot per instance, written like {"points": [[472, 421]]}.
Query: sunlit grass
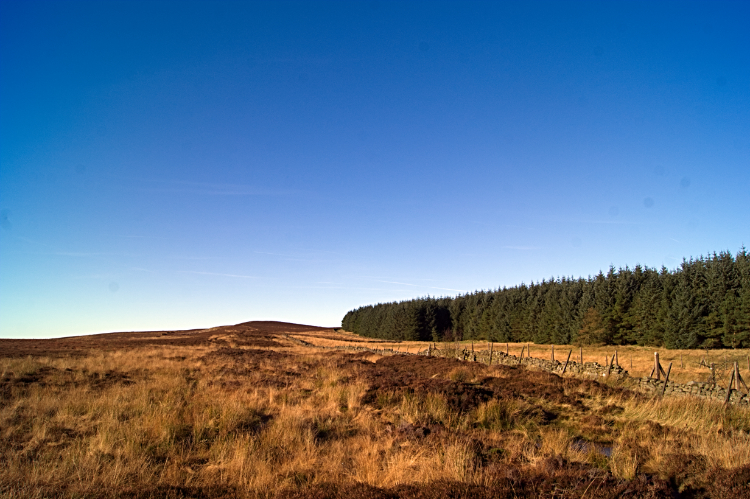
{"points": [[176, 417]]}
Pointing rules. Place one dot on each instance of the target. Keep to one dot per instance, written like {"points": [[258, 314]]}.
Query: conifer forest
{"points": [[704, 303]]}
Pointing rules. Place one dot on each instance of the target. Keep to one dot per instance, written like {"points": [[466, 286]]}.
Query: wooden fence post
{"points": [[729, 388], [666, 378], [657, 367], [581, 355], [491, 348], [553, 353], [507, 352], [566, 361], [617, 359]]}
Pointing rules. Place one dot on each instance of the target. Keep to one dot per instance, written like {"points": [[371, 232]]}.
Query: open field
{"points": [[250, 411]]}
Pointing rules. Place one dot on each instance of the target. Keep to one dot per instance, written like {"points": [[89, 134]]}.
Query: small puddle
{"points": [[582, 445]]}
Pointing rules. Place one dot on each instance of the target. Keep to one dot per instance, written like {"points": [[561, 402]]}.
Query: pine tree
{"points": [[705, 302], [592, 330]]}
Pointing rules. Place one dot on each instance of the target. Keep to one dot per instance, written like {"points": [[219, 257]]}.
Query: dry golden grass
{"points": [[639, 361], [261, 421], [687, 365]]}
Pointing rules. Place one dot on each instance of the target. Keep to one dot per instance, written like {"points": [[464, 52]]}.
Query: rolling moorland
{"points": [[277, 410]]}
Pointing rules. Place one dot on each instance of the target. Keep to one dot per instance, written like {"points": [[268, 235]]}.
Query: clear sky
{"points": [[172, 165]]}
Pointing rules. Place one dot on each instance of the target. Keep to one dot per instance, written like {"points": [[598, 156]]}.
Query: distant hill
{"points": [[256, 333]]}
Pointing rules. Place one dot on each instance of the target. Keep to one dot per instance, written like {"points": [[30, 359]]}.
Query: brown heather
{"points": [[251, 411]]}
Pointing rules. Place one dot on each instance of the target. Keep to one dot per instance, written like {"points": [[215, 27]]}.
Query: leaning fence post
{"points": [[489, 363], [729, 388], [566, 361], [666, 378], [653, 369]]}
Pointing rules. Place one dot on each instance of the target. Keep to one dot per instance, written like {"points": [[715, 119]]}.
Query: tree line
{"points": [[704, 303]]}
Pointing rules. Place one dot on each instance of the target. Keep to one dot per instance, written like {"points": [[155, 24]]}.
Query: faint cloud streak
{"points": [[218, 274], [522, 248], [214, 189], [420, 286]]}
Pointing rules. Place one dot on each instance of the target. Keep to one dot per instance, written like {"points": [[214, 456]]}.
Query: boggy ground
{"points": [[249, 411]]}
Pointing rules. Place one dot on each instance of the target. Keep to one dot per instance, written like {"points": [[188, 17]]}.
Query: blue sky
{"points": [[170, 165]]}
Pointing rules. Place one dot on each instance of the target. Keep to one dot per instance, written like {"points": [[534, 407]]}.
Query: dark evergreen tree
{"points": [[704, 303]]}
